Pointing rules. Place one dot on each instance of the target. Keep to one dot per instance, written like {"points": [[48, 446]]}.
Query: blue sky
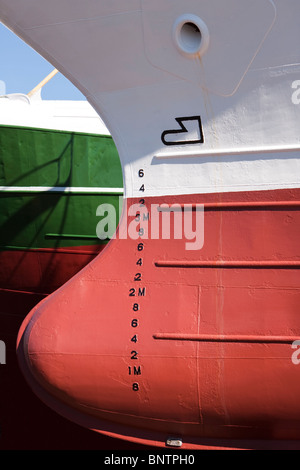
{"points": [[22, 69]]}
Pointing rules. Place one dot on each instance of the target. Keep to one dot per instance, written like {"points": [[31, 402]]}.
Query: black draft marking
{"points": [[184, 130]]}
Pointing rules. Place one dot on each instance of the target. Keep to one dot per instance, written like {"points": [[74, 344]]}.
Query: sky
{"points": [[22, 68]]}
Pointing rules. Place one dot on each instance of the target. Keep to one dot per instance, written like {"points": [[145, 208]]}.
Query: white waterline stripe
{"points": [[231, 151], [60, 189]]}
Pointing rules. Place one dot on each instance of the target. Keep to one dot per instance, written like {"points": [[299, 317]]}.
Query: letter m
{"points": [[142, 291]]}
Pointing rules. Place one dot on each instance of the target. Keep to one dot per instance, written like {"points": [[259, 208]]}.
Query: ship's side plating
{"points": [[201, 100]]}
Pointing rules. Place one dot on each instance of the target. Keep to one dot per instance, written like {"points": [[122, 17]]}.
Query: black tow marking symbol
{"points": [[183, 130]]}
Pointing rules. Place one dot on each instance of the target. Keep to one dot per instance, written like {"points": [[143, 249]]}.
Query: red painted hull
{"points": [[42, 270], [190, 344], [25, 422]]}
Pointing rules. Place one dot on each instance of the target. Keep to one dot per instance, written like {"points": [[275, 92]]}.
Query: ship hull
{"points": [[52, 183], [192, 342], [48, 198], [190, 334]]}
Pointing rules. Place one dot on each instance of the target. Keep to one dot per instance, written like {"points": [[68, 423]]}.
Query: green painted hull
{"points": [[51, 185], [31, 158]]}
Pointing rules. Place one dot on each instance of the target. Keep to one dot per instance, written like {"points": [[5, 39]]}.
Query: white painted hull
{"points": [[73, 116], [242, 87]]}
